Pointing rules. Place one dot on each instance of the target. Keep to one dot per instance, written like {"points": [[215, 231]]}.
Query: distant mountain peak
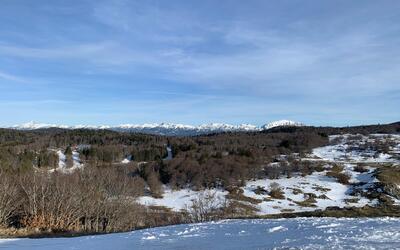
{"points": [[282, 123]]}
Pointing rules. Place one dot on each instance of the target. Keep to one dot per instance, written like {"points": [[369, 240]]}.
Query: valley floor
{"points": [[298, 233]]}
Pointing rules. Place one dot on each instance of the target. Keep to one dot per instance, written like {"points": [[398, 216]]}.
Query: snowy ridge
{"points": [[282, 123], [165, 128], [34, 125]]}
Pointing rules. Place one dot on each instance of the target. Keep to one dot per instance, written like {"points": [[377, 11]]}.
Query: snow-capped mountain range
{"points": [[166, 128]]}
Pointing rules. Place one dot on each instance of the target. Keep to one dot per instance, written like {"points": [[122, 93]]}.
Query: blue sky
{"points": [[120, 61]]}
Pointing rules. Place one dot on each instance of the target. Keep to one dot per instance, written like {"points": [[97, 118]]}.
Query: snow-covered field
{"points": [[299, 233], [328, 193], [348, 150], [180, 199]]}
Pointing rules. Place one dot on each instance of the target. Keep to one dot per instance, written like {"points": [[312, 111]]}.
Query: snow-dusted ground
{"points": [[345, 149], [180, 199], [299, 233], [327, 190]]}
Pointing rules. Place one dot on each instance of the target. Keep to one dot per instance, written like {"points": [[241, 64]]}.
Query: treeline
{"points": [[23, 160], [98, 155], [22, 150], [230, 159], [224, 159], [55, 138], [391, 128]]}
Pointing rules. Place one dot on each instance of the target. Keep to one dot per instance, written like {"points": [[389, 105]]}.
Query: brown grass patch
{"points": [[352, 200], [340, 177], [321, 189], [296, 191], [277, 193], [389, 175], [237, 194], [287, 210], [260, 191], [309, 201]]}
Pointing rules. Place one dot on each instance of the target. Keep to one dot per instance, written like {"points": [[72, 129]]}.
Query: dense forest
{"points": [[100, 197]]}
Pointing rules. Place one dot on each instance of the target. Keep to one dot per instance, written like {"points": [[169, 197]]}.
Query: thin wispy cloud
{"points": [[276, 59], [12, 78]]}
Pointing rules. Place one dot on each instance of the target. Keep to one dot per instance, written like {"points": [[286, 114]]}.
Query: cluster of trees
{"points": [[22, 160], [22, 150], [97, 155], [91, 200], [229, 159]]}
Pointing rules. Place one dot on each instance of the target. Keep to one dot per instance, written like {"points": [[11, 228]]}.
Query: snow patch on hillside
{"points": [[179, 199], [347, 148], [62, 163], [328, 192]]}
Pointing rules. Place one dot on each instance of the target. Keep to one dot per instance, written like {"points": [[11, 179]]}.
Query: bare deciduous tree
{"points": [[9, 198], [205, 207]]}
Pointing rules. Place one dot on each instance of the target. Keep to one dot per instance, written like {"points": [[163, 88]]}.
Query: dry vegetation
{"points": [[276, 191], [88, 201], [336, 172]]}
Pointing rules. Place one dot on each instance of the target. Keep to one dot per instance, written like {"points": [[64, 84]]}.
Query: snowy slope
{"points": [[347, 149], [327, 191], [179, 199], [165, 128], [299, 233]]}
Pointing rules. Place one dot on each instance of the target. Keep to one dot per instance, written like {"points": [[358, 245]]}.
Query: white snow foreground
{"points": [[298, 233]]}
